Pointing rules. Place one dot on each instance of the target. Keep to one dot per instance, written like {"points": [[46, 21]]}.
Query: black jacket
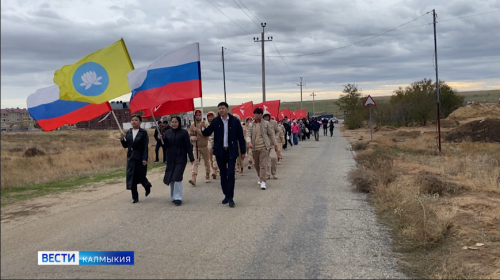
{"points": [[234, 136], [138, 148], [315, 125], [287, 127], [178, 149]]}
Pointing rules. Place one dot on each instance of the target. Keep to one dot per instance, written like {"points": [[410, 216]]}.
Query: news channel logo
{"points": [[85, 257]]}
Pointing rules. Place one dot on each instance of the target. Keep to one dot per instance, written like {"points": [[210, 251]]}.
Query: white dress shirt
{"points": [[134, 133], [226, 121]]}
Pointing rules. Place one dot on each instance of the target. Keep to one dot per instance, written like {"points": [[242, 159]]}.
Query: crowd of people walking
{"points": [[223, 142]]}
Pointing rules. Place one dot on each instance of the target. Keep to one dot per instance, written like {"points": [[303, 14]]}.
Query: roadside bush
{"points": [[359, 145], [362, 179], [380, 162], [433, 184], [423, 223], [33, 152]]}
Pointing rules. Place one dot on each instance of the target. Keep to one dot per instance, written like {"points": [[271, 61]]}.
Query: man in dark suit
{"points": [[228, 133], [288, 132]]}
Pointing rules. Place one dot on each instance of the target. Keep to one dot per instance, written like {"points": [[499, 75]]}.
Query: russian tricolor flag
{"points": [[173, 76], [50, 112]]}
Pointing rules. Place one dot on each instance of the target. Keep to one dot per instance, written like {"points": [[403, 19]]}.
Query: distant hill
{"points": [[328, 106]]}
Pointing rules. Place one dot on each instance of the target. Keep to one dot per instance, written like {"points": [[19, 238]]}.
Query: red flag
{"points": [[272, 106], [171, 107], [244, 110], [299, 114], [285, 113]]}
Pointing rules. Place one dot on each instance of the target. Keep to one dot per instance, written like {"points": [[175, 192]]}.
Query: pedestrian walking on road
{"points": [[332, 126], [228, 134], [288, 132], [262, 138], [239, 161], [315, 128], [302, 134], [136, 141], [324, 122], [272, 160], [178, 150], [308, 129], [280, 139], [213, 161], [158, 142], [295, 131], [248, 122], [200, 148]]}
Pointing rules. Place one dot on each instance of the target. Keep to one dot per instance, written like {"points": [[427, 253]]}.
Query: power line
{"points": [[246, 13], [267, 33], [467, 16], [229, 17], [249, 10], [284, 60], [346, 46], [408, 27], [277, 67]]}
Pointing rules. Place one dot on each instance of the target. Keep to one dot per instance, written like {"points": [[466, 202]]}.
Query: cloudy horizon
{"points": [[327, 43]]}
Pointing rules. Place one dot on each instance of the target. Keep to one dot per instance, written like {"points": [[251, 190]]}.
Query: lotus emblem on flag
{"points": [[89, 79], [265, 108], [242, 112]]}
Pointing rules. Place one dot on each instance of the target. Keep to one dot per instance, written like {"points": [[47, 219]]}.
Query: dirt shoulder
{"points": [[443, 208]]}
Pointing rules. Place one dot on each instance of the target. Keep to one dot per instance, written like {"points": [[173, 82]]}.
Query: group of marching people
{"points": [[264, 138], [223, 141]]}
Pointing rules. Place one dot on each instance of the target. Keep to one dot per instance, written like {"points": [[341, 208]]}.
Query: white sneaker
{"points": [[258, 183], [263, 185]]}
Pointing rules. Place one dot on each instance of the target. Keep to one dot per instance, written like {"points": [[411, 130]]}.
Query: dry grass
{"points": [[436, 203], [60, 155]]}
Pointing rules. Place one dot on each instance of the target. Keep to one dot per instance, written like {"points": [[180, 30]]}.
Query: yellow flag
{"points": [[98, 77]]}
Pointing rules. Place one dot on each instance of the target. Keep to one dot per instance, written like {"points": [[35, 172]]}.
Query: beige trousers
{"points": [[250, 157], [202, 152], [260, 163], [272, 162], [280, 146]]}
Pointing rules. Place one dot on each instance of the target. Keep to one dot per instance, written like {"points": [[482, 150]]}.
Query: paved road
{"points": [[307, 224]]}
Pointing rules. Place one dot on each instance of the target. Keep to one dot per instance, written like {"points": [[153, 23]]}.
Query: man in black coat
{"points": [[315, 128], [324, 122], [228, 133], [288, 132]]}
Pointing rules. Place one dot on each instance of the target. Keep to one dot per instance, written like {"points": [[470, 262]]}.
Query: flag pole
{"points": [[128, 55], [118, 123], [151, 111]]}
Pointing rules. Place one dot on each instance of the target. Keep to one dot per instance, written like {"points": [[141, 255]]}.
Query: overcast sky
{"points": [[39, 37]]}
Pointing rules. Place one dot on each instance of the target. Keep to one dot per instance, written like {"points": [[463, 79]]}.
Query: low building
{"points": [[15, 119], [107, 121]]}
